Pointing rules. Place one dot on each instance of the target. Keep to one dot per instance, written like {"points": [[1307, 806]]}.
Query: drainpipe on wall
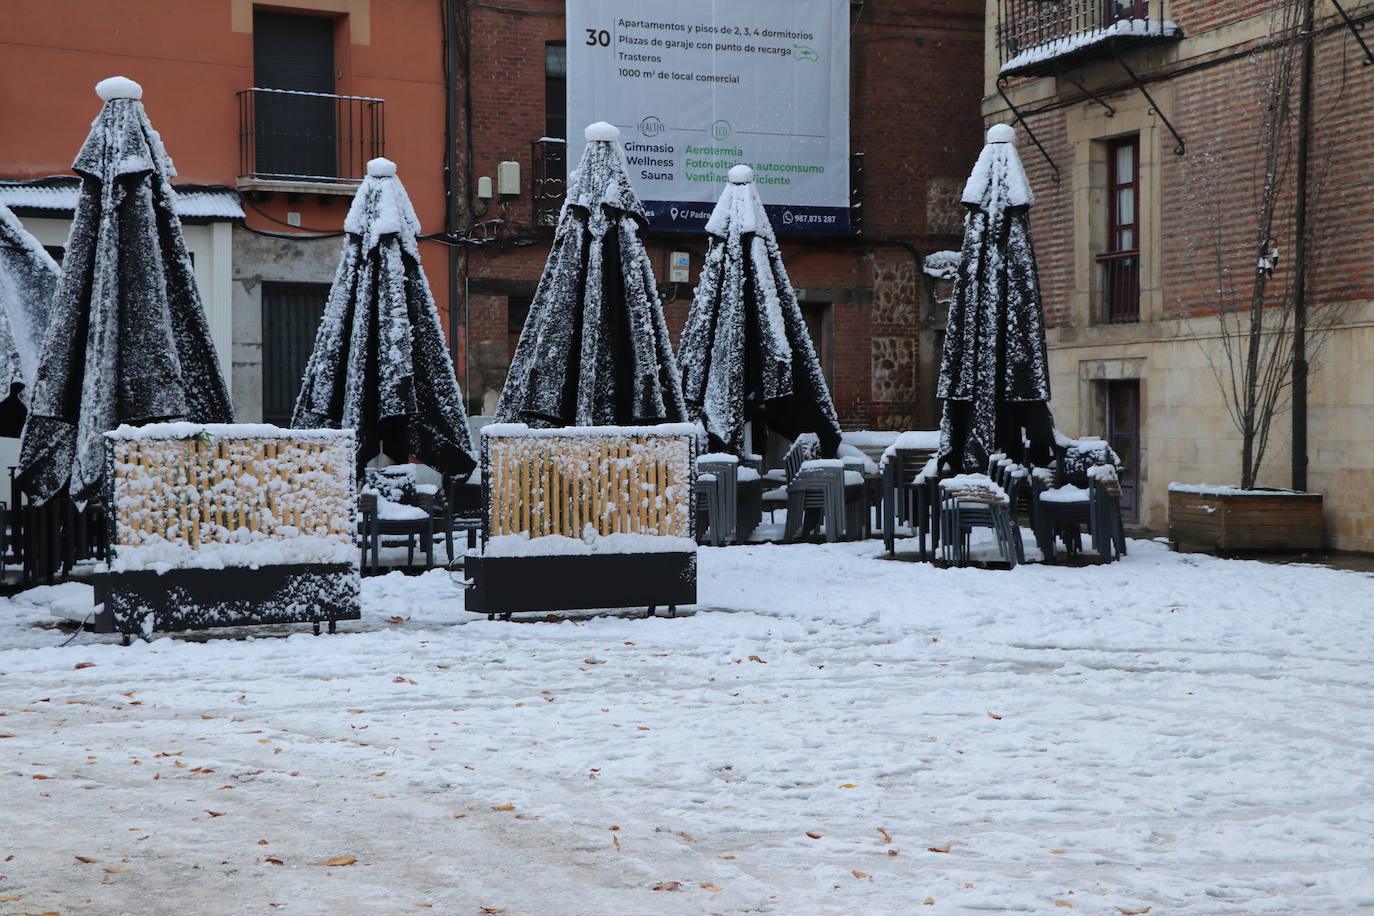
{"points": [[1299, 436], [456, 256]]}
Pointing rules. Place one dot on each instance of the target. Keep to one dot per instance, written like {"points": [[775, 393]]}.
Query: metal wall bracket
{"points": [[1355, 30], [1111, 112], [1154, 107], [1001, 90]]}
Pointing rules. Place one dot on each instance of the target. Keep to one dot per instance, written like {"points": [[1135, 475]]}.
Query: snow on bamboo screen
{"points": [[583, 481], [187, 494]]}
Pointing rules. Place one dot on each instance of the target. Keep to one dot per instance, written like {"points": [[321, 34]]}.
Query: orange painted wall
{"points": [[190, 62]]}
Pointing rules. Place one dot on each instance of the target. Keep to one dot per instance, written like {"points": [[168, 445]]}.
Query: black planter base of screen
{"points": [[141, 602], [502, 585]]}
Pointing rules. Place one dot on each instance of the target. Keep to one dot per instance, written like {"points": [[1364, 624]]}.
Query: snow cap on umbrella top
{"points": [[382, 207], [602, 130], [118, 87], [1002, 133], [739, 209], [998, 179], [381, 167], [741, 174]]}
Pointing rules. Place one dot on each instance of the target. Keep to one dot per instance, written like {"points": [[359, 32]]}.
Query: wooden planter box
{"points": [[1260, 519]]}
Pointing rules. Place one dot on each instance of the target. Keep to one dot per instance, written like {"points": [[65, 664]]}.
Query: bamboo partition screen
{"points": [[206, 488], [544, 484]]}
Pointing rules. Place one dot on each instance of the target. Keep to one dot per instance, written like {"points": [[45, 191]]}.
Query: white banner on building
{"points": [[699, 86]]}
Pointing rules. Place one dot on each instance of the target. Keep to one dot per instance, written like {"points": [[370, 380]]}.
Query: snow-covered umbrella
{"points": [[28, 276], [994, 377], [127, 339], [379, 364], [745, 352], [594, 350]]}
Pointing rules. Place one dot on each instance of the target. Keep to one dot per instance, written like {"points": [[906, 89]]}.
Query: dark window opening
{"points": [[1120, 261], [817, 318], [556, 89], [57, 252], [291, 314], [295, 131]]}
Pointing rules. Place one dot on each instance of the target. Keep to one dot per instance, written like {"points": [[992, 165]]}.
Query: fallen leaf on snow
{"points": [[79, 665], [11, 898], [492, 909], [1126, 912], [506, 807], [755, 658], [338, 861], [859, 874], [667, 886], [41, 776], [85, 859], [929, 901], [115, 871], [892, 852], [1064, 903], [1056, 852], [848, 785], [887, 837], [944, 848], [707, 885], [993, 715], [273, 860], [214, 813], [814, 836]]}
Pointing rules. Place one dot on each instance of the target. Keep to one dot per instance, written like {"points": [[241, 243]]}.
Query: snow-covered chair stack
{"points": [[825, 492], [909, 477], [717, 488], [223, 524], [585, 517], [970, 501]]}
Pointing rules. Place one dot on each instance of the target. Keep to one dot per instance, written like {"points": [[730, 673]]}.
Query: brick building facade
{"points": [[1146, 225], [449, 89], [913, 116]]}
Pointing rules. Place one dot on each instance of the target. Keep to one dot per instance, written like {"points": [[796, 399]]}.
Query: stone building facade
{"points": [[1142, 127]]}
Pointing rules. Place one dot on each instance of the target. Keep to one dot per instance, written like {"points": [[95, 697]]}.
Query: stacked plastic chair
{"points": [[716, 488], [970, 501], [824, 492]]}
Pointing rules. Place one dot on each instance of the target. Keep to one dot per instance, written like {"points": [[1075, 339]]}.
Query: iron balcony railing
{"points": [[315, 137], [1120, 287], [1035, 35], [549, 159]]}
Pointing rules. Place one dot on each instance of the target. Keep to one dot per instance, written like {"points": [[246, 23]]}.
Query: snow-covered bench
{"points": [[585, 517], [224, 524]]}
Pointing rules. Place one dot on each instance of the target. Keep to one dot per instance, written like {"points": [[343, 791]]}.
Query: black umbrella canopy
{"points": [[745, 353], [594, 350], [28, 276], [379, 364], [994, 377], [127, 339]]}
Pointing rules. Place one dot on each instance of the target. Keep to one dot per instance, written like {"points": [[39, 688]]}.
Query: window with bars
{"points": [[1119, 264]]}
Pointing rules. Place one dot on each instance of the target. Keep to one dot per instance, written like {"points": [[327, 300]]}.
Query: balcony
{"points": [[1120, 287], [307, 142], [1043, 37], [549, 158]]}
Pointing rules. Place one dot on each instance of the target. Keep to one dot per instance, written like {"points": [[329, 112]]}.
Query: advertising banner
{"points": [[699, 87]]}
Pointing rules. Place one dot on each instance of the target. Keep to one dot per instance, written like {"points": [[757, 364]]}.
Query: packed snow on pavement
{"points": [[827, 732]]}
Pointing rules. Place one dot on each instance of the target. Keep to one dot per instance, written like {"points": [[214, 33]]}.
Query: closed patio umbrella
{"points": [[745, 352], [379, 364], [594, 350], [127, 338], [994, 377], [28, 276]]}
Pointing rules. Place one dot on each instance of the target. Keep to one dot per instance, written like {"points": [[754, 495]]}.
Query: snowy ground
{"points": [[827, 733]]}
